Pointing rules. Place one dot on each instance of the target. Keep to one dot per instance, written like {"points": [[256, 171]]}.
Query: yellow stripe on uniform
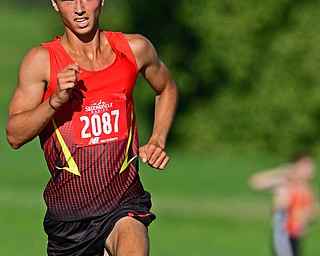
{"points": [[73, 168], [126, 163]]}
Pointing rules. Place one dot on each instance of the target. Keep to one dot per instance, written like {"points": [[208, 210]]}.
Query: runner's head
{"points": [[303, 166]]}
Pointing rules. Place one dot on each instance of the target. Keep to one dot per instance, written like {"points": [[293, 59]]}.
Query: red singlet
{"points": [[91, 144]]}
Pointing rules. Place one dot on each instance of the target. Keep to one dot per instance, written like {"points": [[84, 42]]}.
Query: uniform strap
{"points": [[120, 44]]}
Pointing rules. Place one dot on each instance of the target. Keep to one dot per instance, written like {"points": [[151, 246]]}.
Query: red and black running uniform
{"points": [[90, 134], [91, 143]]}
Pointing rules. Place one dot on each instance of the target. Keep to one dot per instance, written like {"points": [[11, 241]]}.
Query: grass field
{"points": [[203, 204]]}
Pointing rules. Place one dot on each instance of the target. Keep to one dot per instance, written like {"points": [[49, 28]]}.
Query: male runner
{"points": [[75, 93]]}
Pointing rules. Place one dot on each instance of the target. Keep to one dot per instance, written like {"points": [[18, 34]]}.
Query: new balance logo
{"points": [[94, 140]]}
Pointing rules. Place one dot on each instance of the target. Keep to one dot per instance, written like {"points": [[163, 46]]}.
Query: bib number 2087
{"points": [[106, 123], [101, 120]]}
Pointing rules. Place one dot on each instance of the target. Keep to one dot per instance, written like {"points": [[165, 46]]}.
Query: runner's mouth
{"points": [[80, 20]]}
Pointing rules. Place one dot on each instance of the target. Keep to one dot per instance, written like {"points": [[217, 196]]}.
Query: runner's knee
{"points": [[128, 237]]}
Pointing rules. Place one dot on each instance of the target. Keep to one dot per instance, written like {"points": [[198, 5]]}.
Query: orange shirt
{"points": [[301, 199]]}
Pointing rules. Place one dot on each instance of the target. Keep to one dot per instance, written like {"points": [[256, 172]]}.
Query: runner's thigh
{"points": [[128, 237]]}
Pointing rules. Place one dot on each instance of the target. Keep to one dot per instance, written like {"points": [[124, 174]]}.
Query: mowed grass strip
{"points": [[235, 208]]}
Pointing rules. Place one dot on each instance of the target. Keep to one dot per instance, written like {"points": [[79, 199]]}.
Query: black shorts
{"points": [[87, 237]]}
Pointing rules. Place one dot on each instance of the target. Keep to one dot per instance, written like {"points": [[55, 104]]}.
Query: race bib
{"points": [[101, 120]]}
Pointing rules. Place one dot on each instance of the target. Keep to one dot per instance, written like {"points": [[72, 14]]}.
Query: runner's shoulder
{"points": [[38, 56], [37, 59]]}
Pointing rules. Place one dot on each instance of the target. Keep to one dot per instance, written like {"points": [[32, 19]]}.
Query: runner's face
{"points": [[79, 16], [305, 168]]}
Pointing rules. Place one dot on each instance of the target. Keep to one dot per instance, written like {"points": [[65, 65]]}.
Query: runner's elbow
{"points": [[13, 141]]}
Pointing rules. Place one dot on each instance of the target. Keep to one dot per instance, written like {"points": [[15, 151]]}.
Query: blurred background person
{"points": [[294, 201]]}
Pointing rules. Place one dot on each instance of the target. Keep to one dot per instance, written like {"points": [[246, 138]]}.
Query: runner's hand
{"points": [[154, 155], [67, 78]]}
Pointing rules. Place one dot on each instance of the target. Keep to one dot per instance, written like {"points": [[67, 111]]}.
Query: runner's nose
{"points": [[79, 8]]}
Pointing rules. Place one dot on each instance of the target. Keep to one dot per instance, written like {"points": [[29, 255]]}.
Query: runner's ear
{"points": [[102, 3], [55, 6]]}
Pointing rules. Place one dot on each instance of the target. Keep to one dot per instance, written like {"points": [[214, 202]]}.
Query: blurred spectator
{"points": [[294, 201]]}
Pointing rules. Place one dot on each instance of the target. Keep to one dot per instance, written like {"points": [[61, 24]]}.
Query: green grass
{"points": [[203, 204], [205, 207]]}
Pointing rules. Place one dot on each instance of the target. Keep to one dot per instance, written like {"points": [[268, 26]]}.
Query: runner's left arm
{"points": [[158, 77]]}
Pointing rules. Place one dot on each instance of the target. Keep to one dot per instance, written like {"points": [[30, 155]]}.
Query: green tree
{"points": [[257, 65]]}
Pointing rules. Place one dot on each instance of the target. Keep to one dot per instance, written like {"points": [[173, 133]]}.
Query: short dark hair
{"points": [[299, 156]]}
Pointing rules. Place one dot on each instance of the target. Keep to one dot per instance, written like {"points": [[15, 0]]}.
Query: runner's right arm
{"points": [[28, 115]]}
